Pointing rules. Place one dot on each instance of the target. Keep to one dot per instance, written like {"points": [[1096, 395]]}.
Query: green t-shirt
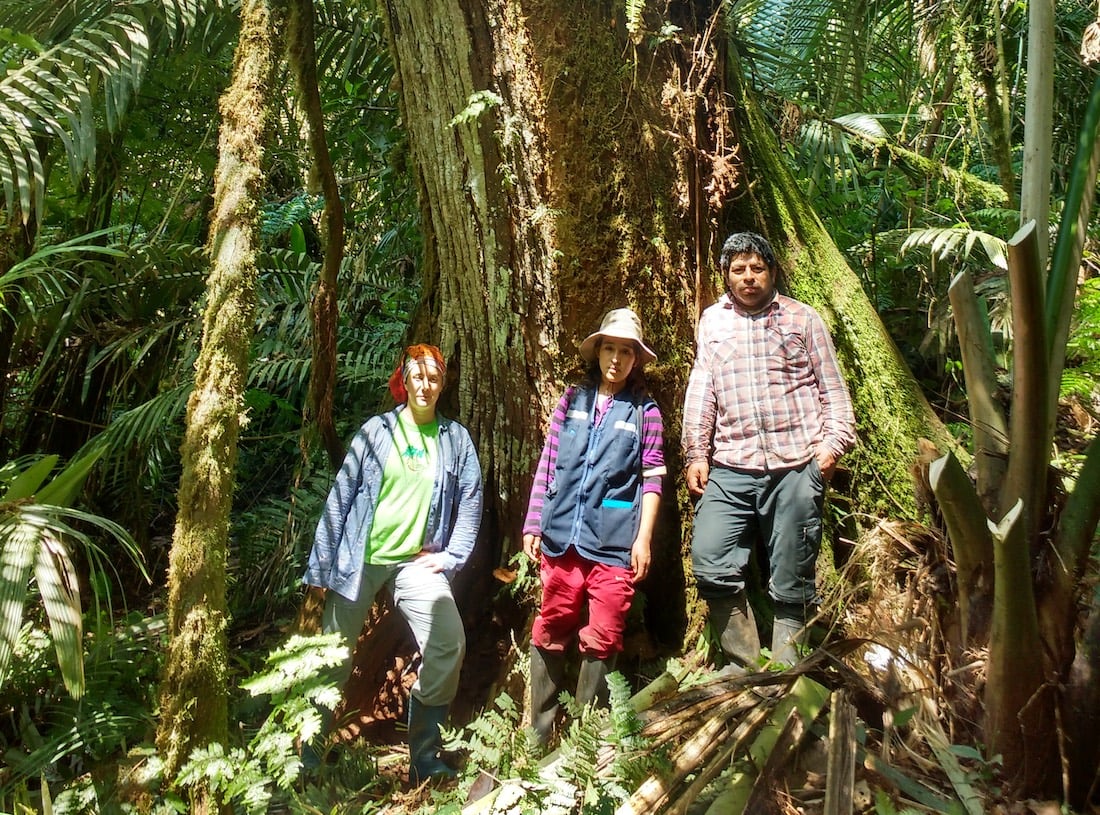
{"points": [[405, 498]]}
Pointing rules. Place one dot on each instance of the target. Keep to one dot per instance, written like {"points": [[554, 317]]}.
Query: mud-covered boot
{"points": [[547, 669], [732, 621]]}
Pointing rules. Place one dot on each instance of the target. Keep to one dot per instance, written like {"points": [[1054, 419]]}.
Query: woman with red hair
{"points": [[404, 512]]}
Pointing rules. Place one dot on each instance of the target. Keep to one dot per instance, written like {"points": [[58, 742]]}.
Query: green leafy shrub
{"points": [[294, 679]]}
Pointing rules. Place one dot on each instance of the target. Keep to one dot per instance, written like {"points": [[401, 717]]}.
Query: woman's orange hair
{"points": [[413, 353]]}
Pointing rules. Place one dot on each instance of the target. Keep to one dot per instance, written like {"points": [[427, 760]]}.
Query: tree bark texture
{"points": [[568, 166], [194, 690], [1081, 706], [988, 49]]}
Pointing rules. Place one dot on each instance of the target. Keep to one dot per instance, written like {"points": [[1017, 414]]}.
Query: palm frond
{"points": [[826, 54], [276, 374], [351, 45], [274, 538], [122, 667], [867, 125], [131, 316], [827, 151], [89, 51], [56, 579], [20, 542], [958, 242], [827, 154], [369, 363], [31, 536], [141, 426], [26, 483]]}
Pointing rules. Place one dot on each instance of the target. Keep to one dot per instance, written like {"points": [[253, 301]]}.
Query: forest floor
{"points": [[774, 743], [769, 738]]}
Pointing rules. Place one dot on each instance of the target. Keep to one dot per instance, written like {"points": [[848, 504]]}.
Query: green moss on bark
{"points": [[194, 690]]}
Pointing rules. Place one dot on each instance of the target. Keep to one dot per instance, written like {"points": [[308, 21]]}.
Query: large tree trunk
{"points": [[194, 690], [568, 165]]}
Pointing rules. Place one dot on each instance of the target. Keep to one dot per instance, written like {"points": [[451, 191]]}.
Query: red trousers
{"points": [[571, 582]]}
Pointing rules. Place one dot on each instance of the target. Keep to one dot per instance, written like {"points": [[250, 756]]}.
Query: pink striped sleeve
{"points": [[532, 524], [653, 450]]}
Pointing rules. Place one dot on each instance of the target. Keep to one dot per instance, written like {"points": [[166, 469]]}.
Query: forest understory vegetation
{"points": [[910, 157], [874, 693]]}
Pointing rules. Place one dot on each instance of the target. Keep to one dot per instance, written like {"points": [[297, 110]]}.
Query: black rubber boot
{"points": [[592, 681], [790, 635], [547, 668], [425, 742], [732, 621]]}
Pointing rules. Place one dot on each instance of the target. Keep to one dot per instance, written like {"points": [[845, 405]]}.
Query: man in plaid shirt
{"points": [[766, 416]]}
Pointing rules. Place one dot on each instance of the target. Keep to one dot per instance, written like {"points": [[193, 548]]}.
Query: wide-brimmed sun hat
{"points": [[619, 324]]}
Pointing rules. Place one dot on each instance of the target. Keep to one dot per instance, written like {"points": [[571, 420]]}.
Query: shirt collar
{"points": [[726, 301]]}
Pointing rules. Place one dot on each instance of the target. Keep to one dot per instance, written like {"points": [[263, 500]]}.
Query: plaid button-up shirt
{"points": [[765, 390]]}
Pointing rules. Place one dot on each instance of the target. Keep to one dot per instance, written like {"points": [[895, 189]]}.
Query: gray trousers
{"points": [[737, 509], [425, 600]]}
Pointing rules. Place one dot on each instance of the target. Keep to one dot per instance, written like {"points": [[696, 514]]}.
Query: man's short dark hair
{"points": [[747, 243]]}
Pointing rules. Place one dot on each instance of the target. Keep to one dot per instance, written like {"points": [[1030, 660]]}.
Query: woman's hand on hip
{"points": [[435, 562]]}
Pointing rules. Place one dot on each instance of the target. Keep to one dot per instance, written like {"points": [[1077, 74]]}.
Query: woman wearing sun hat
{"points": [[591, 514], [404, 512]]}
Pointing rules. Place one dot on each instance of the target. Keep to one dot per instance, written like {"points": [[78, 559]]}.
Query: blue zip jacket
{"points": [[339, 545]]}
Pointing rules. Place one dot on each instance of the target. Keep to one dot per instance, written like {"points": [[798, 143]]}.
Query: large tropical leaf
{"points": [[958, 242], [18, 545], [26, 483], [32, 536], [56, 578], [74, 58]]}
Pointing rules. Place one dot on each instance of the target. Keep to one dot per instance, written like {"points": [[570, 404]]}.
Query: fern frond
{"points": [[296, 665], [634, 9]]}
